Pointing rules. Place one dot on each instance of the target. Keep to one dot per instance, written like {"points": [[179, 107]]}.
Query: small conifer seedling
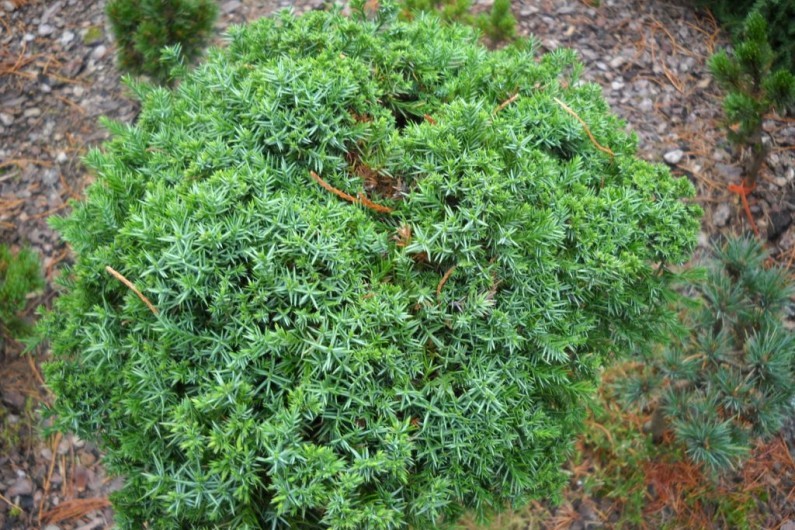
{"points": [[142, 29], [754, 89], [500, 23], [448, 10], [356, 274], [20, 274], [730, 379]]}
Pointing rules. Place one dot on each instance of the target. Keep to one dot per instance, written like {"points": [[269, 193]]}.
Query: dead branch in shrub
{"points": [[403, 236], [132, 287], [74, 508], [384, 185], [364, 201], [444, 280], [429, 119], [585, 126]]}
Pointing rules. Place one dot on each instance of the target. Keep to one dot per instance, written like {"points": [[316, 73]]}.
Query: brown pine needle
{"points": [[56, 441], [332, 189], [444, 280], [585, 126], [380, 208], [364, 201], [74, 508], [5, 500], [132, 287], [506, 102]]}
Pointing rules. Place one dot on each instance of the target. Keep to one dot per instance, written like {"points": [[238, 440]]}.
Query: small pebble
{"points": [[22, 486], [67, 37], [722, 214], [99, 52], [61, 158], [45, 29], [673, 157]]}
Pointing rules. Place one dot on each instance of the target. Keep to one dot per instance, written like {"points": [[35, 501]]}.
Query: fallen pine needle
{"points": [[132, 287], [585, 126], [506, 102], [5, 500], [444, 281], [74, 508], [56, 441], [380, 208]]}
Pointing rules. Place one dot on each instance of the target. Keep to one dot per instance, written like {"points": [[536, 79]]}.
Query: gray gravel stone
{"points": [[45, 29], [99, 52], [67, 37], [22, 486], [722, 214], [674, 157]]}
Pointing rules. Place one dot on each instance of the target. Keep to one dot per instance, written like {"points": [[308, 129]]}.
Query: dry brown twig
{"points": [[132, 287], [585, 126], [364, 201], [507, 102]]}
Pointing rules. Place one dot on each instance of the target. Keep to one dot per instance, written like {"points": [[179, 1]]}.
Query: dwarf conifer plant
{"points": [[500, 23], [356, 274], [754, 89], [142, 29], [730, 379], [20, 274]]}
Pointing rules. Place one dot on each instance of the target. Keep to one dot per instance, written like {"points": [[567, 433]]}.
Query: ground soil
{"points": [[58, 77]]}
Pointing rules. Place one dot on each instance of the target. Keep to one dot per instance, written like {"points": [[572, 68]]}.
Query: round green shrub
{"points": [[142, 28], [385, 265]]}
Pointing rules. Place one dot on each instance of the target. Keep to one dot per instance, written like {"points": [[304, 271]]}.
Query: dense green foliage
{"points": [[318, 363], [754, 89], [20, 274], [731, 378], [142, 29], [779, 15]]}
